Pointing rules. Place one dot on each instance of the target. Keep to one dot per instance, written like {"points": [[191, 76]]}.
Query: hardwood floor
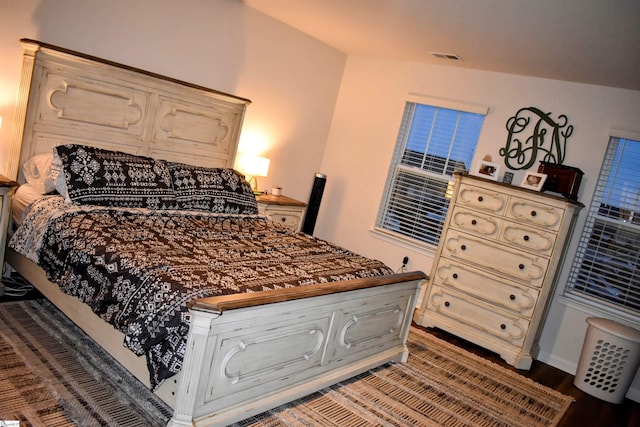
{"points": [[586, 411]]}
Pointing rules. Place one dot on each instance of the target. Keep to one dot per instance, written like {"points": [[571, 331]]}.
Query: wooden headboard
{"points": [[70, 97]]}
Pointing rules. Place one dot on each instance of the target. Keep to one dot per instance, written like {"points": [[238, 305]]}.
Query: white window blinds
{"points": [[605, 269], [432, 143]]}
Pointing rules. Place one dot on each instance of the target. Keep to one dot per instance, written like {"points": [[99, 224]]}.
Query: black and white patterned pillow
{"points": [[111, 178], [220, 190]]}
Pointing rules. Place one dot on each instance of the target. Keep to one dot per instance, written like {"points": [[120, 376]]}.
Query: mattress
{"points": [[23, 197]]}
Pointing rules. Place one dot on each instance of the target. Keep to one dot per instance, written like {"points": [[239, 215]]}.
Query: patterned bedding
{"points": [[137, 268]]}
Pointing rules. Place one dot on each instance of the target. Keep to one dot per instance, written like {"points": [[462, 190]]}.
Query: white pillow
{"points": [[23, 197], [37, 172]]}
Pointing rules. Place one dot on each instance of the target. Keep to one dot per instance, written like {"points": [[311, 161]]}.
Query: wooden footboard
{"points": [[252, 352]]}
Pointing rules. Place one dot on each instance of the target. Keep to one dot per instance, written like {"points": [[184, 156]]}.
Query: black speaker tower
{"points": [[313, 206]]}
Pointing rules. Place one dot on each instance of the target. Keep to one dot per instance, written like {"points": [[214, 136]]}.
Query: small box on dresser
{"points": [[282, 209], [495, 268]]}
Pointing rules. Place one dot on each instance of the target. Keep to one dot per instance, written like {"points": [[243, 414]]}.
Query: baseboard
{"points": [[633, 394], [562, 364]]}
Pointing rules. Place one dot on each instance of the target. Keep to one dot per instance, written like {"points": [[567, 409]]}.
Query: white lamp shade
{"points": [[253, 165]]}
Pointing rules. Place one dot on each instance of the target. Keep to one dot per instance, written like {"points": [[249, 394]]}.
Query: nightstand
{"points": [[282, 209], [7, 188]]}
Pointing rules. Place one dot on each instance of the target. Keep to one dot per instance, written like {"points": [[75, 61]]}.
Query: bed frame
{"points": [[245, 353]]}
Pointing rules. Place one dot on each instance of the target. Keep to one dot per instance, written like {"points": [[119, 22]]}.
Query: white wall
{"points": [[363, 134], [291, 79]]}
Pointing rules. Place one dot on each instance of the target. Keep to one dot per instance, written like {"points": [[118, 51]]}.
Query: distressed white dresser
{"points": [[495, 268]]}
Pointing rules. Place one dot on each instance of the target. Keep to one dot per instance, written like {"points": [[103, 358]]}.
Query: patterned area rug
{"points": [[62, 378]]}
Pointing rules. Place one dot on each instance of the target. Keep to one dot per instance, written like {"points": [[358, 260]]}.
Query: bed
{"points": [[244, 352]]}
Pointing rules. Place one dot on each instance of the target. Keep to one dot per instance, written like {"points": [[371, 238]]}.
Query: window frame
{"points": [[597, 218], [396, 163]]}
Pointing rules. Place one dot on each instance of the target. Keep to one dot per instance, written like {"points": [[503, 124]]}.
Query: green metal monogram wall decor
{"points": [[525, 143]]}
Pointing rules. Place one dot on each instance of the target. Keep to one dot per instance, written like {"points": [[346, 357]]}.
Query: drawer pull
{"points": [[526, 238], [446, 304], [503, 326], [463, 247], [534, 213], [474, 222], [480, 198], [521, 266], [283, 219], [512, 297], [455, 275]]}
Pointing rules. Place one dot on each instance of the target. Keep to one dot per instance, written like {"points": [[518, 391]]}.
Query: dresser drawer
{"points": [[535, 213], [533, 239], [291, 219], [474, 222], [482, 199], [484, 318], [522, 266], [519, 299], [288, 216]]}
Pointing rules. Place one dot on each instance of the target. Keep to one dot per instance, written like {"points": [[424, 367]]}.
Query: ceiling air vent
{"points": [[450, 56]]}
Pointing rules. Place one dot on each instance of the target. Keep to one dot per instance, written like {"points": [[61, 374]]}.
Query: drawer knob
{"points": [[526, 238], [455, 275], [534, 213], [463, 247], [474, 222], [512, 297], [503, 326], [521, 266], [283, 219], [446, 304], [480, 198]]}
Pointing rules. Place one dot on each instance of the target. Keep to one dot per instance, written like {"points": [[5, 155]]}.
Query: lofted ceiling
{"points": [[586, 41]]}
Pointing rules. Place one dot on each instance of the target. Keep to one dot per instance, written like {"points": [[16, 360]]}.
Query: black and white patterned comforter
{"points": [[138, 268]]}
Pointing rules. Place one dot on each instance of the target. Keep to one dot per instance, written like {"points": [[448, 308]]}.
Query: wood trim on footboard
{"points": [[229, 302]]}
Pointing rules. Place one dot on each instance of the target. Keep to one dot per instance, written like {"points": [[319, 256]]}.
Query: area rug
{"points": [[52, 374]]}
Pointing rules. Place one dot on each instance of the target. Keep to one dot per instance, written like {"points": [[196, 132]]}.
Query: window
{"points": [[433, 142], [605, 269]]}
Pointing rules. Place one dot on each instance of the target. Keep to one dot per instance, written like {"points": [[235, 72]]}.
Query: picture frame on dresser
{"points": [[533, 181], [488, 170]]}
